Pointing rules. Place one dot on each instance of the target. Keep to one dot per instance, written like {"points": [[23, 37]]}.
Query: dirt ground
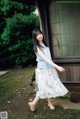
{"points": [[15, 102]]}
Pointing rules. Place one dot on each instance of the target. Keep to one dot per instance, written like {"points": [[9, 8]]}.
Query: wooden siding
{"points": [[71, 75]]}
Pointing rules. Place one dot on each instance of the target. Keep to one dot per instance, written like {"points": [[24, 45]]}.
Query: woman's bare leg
{"points": [[33, 103], [50, 104]]}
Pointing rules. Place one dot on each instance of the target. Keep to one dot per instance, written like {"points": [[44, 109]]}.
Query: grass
{"points": [[74, 114], [15, 92]]}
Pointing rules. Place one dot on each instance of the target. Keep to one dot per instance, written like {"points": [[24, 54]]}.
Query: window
{"points": [[65, 29]]}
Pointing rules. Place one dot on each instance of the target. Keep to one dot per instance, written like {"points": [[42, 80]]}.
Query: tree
{"points": [[16, 35]]}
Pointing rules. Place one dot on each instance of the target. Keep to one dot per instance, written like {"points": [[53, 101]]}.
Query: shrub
{"points": [[16, 37]]}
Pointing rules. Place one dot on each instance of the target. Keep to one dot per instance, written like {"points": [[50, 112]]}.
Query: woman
{"points": [[47, 79]]}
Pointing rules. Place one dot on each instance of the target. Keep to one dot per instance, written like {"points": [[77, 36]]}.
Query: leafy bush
{"points": [[16, 38]]}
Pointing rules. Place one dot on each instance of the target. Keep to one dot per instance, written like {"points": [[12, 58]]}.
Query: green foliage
{"points": [[72, 114], [18, 27], [9, 8], [16, 37]]}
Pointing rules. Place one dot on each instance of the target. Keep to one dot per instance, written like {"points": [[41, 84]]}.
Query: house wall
{"points": [[72, 73], [60, 23]]}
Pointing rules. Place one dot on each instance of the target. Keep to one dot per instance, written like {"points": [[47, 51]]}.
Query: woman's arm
{"points": [[39, 52]]}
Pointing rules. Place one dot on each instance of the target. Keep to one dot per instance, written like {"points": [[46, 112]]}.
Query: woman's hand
{"points": [[61, 69]]}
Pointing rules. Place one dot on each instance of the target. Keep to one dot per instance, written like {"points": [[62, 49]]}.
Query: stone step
{"points": [[3, 72]]}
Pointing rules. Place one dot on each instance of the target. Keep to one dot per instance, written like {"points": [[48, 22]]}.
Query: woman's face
{"points": [[39, 37]]}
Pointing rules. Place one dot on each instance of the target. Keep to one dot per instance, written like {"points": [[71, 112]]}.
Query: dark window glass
{"points": [[65, 29]]}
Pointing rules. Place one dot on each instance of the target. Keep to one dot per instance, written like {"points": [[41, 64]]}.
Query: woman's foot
{"points": [[51, 107], [32, 106]]}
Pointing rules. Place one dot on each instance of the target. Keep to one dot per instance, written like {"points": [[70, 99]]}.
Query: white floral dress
{"points": [[47, 79]]}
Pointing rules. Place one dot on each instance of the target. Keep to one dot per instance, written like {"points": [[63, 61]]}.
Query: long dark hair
{"points": [[35, 32]]}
